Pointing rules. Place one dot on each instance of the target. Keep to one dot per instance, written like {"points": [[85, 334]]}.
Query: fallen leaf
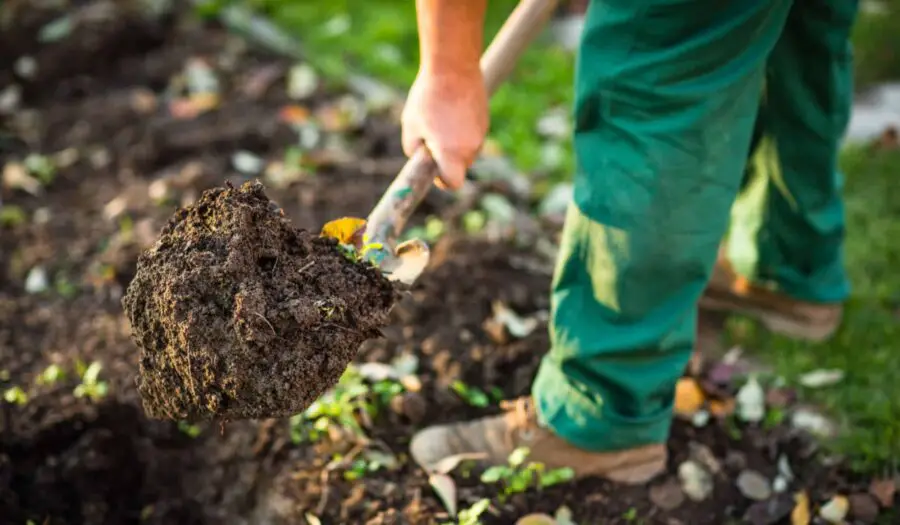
{"points": [[800, 514], [445, 488], [16, 176], [704, 456], [667, 496], [343, 229], [302, 81], [536, 519], [374, 371], [883, 490], [247, 163], [722, 407], [37, 282], [293, 114], [835, 510], [821, 378], [753, 485], [812, 422], [446, 465], [696, 482], [563, 516], [517, 325], [751, 401], [700, 418], [689, 397], [863, 508]]}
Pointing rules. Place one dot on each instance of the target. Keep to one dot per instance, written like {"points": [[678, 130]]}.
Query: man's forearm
{"points": [[451, 34]]}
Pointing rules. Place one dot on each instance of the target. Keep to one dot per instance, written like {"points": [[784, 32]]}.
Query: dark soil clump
{"points": [[240, 315]]}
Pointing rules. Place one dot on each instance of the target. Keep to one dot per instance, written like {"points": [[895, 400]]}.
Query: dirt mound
{"points": [[240, 315]]}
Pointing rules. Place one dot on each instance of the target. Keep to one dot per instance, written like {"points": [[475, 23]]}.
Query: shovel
{"points": [[404, 262]]}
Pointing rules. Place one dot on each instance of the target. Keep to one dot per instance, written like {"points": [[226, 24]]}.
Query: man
{"points": [[666, 98]]}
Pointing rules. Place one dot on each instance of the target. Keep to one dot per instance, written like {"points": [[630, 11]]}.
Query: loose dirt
{"points": [[240, 315]]}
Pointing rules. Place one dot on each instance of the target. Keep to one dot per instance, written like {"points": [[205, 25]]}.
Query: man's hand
{"points": [[447, 107], [448, 113]]}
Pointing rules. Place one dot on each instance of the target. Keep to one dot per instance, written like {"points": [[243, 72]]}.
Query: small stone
{"points": [[754, 485], [37, 281], [735, 461], [771, 511], [864, 508], [696, 482], [704, 456], [667, 496]]}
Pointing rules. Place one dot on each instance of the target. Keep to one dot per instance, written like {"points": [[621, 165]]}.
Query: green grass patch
{"points": [[867, 402]]}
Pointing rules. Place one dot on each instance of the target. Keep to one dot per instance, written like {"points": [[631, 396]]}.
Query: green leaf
{"points": [[495, 474]]}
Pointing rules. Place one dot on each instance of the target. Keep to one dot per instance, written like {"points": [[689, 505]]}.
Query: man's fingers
{"points": [[410, 141], [452, 170]]}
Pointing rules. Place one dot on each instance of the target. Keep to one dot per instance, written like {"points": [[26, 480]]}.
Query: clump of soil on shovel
{"points": [[240, 315]]}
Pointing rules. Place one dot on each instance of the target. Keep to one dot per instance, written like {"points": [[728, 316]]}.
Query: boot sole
{"points": [[777, 323]]}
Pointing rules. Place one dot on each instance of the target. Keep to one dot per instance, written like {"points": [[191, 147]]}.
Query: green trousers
{"points": [[667, 95]]}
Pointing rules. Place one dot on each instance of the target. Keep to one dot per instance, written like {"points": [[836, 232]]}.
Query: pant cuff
{"points": [[587, 423]]}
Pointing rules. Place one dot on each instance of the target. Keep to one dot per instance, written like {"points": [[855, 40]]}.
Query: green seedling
{"points": [[470, 394], [11, 216], [41, 167], [631, 516], [472, 515], [189, 429], [51, 375], [353, 399], [91, 386], [64, 287], [518, 476], [15, 395]]}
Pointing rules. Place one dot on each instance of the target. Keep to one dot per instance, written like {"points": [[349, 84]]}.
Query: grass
{"points": [[380, 39], [867, 402]]}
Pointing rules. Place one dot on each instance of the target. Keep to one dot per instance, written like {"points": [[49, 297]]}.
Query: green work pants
{"points": [[667, 94]]}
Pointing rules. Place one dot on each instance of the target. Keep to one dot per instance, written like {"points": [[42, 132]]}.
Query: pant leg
{"points": [[666, 97], [805, 114]]}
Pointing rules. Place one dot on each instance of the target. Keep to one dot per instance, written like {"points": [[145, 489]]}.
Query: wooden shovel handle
{"points": [[387, 219]]}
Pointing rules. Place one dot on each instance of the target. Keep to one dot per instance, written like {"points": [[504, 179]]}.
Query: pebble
{"points": [[667, 496], [754, 485]]}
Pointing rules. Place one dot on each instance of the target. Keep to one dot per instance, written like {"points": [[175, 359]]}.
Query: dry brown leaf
{"points": [[800, 514], [883, 490], [689, 397], [722, 407]]}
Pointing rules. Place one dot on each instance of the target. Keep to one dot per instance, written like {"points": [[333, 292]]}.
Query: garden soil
{"points": [[127, 163], [240, 315]]}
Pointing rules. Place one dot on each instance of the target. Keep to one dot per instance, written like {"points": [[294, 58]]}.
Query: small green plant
{"points": [[41, 167], [189, 429], [472, 515], [518, 476], [11, 216], [631, 516], [15, 395], [351, 400], [51, 375], [470, 394], [91, 386]]}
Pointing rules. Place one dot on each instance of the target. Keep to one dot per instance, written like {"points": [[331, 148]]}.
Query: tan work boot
{"points": [[496, 437], [729, 292]]}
